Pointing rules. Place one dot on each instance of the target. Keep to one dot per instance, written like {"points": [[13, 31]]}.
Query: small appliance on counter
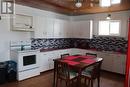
{"points": [[26, 59]]}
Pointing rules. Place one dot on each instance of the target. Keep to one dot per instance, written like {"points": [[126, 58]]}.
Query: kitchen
{"points": [[52, 34]]}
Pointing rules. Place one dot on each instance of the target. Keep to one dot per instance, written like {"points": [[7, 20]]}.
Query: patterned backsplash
{"points": [[105, 43], [116, 44], [52, 43]]}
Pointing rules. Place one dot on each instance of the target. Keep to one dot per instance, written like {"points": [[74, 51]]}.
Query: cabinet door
{"points": [[86, 29], [40, 29], [119, 63], [107, 63], [75, 29], [52, 55], [61, 28], [44, 27], [57, 28], [49, 27], [44, 63], [67, 29], [82, 29], [123, 58]]}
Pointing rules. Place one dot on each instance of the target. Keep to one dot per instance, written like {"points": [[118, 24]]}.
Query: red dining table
{"points": [[78, 63]]}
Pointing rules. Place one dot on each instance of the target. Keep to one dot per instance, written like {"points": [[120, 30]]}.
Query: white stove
{"points": [[27, 62]]}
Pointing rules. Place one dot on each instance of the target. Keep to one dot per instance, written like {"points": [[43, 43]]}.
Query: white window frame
{"points": [[115, 3], [110, 34], [108, 4]]}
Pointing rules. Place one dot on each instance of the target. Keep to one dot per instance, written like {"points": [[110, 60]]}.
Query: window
{"points": [[115, 1], [107, 3], [109, 27]]}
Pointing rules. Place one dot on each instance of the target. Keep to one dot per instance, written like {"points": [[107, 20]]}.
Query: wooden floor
{"points": [[46, 80]]}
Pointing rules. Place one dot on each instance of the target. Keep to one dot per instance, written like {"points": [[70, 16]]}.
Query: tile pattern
{"points": [[105, 43], [81, 43], [116, 44], [52, 43]]}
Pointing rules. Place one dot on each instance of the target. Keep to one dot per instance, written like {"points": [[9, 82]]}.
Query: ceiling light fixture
{"points": [[108, 17], [78, 4]]}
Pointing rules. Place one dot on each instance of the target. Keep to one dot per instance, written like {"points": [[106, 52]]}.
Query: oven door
{"points": [[27, 61]]}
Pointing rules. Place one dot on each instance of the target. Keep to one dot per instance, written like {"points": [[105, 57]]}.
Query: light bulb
{"points": [[108, 17], [78, 4]]}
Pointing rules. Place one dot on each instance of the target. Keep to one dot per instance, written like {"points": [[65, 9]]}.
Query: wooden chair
{"points": [[64, 55], [64, 73], [88, 69], [77, 55], [93, 74], [92, 54]]}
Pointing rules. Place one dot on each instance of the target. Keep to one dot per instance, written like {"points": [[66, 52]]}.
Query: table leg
{"points": [[79, 78], [54, 74]]}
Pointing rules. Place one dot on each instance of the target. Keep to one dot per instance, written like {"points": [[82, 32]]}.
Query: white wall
{"points": [[123, 16], [6, 35]]}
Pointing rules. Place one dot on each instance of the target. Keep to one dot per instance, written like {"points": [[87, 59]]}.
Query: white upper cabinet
{"points": [[49, 27], [58, 30], [75, 29], [61, 28], [82, 29], [22, 23], [44, 27], [39, 27]]}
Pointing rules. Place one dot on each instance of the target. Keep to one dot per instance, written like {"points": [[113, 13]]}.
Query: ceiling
{"points": [[68, 6]]}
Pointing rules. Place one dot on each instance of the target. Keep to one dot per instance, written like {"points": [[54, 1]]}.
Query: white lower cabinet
{"points": [[111, 61], [44, 63], [46, 59], [107, 61], [119, 63]]}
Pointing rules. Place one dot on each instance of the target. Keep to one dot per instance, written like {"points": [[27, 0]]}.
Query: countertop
{"points": [[53, 49], [26, 50]]}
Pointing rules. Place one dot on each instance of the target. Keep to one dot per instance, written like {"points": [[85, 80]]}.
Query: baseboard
{"points": [[47, 71], [113, 72]]}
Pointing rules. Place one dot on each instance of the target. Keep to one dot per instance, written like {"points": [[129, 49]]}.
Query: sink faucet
{"points": [[22, 47]]}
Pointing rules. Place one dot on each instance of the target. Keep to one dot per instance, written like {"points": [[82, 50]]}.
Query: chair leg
{"points": [[57, 82], [60, 81], [85, 81], [98, 79], [88, 83], [91, 83], [67, 83], [72, 83]]}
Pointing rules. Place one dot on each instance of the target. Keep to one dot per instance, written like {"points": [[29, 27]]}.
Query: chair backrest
{"points": [[77, 55], [63, 70], [92, 54], [64, 55], [96, 70]]}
